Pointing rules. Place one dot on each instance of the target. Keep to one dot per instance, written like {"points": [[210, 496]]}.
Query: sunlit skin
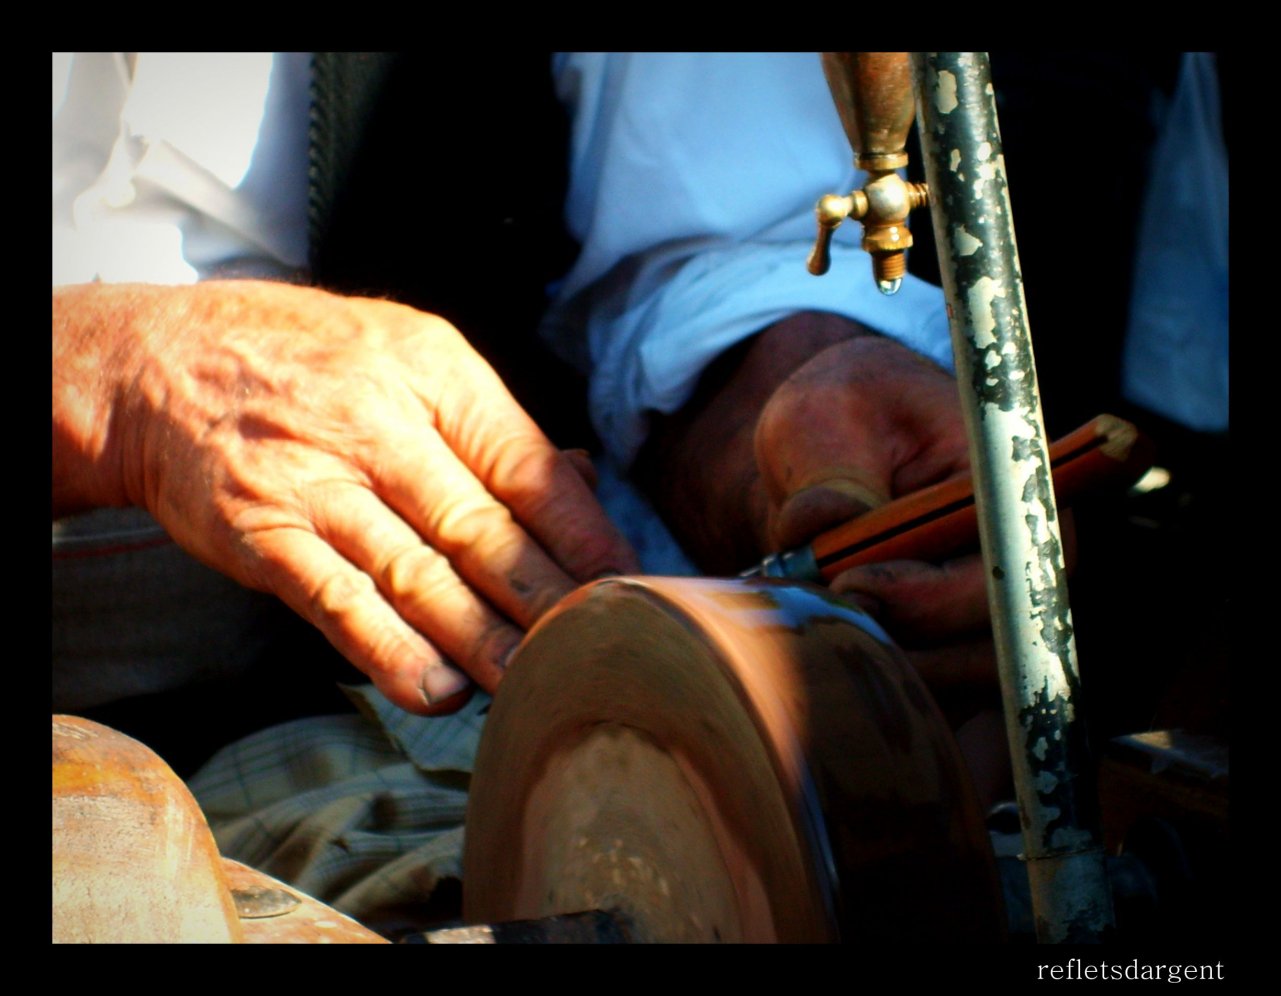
{"points": [[355, 457]]}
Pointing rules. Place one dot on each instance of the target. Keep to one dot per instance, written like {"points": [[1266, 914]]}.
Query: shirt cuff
{"points": [[648, 350]]}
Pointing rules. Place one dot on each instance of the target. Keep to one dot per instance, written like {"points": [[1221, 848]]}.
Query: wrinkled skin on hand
{"points": [[355, 457], [816, 421], [863, 422]]}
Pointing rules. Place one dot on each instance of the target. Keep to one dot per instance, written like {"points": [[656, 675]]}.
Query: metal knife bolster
{"points": [[798, 565]]}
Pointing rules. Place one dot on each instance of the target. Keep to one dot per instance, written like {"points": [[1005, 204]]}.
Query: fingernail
{"points": [[852, 497], [855, 490], [439, 682], [505, 661], [822, 505], [452, 704]]}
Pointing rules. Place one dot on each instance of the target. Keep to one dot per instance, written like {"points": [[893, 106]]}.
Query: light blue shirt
{"points": [[693, 183], [1176, 349]]}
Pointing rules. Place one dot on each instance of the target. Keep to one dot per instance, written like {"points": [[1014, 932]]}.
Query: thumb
{"points": [[834, 496]]}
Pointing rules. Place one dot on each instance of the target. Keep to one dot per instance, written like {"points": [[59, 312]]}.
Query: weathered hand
{"points": [[814, 422], [865, 421], [818, 420], [355, 457], [862, 421]]}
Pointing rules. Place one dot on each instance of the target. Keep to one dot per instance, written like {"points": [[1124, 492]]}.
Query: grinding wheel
{"points": [[724, 761]]}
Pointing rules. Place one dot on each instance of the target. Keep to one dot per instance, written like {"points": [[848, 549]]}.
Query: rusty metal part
{"points": [[1018, 520], [257, 902], [133, 859], [135, 862], [873, 95], [941, 520], [724, 760], [306, 921]]}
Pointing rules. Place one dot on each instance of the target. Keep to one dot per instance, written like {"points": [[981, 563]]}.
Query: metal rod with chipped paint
{"points": [[1018, 520]]}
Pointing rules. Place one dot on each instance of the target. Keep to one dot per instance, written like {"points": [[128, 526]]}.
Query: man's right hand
{"points": [[355, 457], [815, 421]]}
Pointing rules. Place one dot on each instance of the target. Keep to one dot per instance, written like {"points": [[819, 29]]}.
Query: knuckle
{"points": [[420, 581], [525, 464], [393, 653], [427, 591], [340, 594], [409, 569], [529, 474], [774, 420], [590, 553], [466, 522]]}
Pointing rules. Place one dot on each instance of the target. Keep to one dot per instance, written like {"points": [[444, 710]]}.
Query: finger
{"points": [[430, 489], [822, 504], [862, 422], [417, 581], [508, 454], [968, 664], [582, 463], [549, 495], [918, 601], [345, 605], [817, 468]]}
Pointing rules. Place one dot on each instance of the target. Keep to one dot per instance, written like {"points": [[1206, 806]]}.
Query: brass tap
{"points": [[873, 94]]}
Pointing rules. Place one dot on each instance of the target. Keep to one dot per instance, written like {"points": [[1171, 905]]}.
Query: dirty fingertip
{"points": [[505, 658], [822, 506], [440, 684]]}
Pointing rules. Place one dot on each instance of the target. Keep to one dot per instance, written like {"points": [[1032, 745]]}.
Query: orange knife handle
{"points": [[941, 520]]}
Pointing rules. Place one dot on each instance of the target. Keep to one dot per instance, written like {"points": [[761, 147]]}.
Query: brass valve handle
{"points": [[883, 206], [830, 211]]}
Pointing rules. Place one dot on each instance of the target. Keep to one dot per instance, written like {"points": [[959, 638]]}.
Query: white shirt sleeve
{"points": [[693, 179], [177, 167]]}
